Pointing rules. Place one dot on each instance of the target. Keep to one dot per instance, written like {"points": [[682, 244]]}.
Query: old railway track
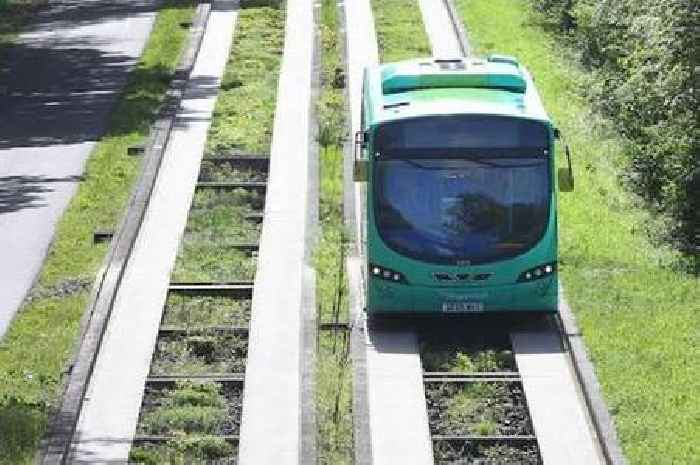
{"points": [[192, 405]]}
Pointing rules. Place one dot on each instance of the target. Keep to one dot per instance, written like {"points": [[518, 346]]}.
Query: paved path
{"points": [[274, 428], [109, 415], [57, 85]]}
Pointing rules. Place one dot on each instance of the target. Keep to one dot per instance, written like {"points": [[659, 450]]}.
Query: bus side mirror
{"points": [[361, 165], [565, 176], [360, 170]]}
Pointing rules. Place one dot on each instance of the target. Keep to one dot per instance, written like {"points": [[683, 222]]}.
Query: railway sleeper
{"points": [[213, 377], [259, 186], [252, 161], [240, 290], [154, 439], [169, 330]]}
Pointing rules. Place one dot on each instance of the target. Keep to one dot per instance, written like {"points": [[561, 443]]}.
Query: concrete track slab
{"points": [[271, 428], [563, 429], [60, 81], [108, 419], [395, 402], [440, 30], [398, 419]]}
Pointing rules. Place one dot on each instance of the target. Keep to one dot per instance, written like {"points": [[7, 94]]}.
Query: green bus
{"points": [[458, 157]]}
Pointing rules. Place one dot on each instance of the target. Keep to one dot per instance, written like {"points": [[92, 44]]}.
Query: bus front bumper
{"points": [[386, 297]]}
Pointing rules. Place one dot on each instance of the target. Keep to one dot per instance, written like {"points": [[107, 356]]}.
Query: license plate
{"points": [[462, 307]]}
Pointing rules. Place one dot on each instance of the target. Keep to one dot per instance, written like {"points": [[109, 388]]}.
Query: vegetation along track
{"points": [[637, 312], [192, 404], [191, 408], [333, 371], [37, 348], [476, 404]]}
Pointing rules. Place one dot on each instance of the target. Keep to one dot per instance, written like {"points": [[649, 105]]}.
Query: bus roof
{"points": [[496, 85]]}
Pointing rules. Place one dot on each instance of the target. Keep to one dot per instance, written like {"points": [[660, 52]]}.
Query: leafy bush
{"points": [[644, 58]]}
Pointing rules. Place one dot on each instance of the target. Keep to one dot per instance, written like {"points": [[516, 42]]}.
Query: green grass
{"points": [[464, 360], [333, 372], [246, 104], [193, 413], [640, 318], [469, 411], [216, 222], [191, 450], [199, 354], [37, 347], [400, 31], [181, 310]]}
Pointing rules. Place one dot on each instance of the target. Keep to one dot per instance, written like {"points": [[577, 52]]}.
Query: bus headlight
{"points": [[386, 274], [538, 272]]}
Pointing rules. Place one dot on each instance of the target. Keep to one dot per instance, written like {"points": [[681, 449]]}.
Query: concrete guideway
{"points": [[398, 417], [394, 401], [557, 408], [110, 412], [59, 82], [440, 29], [274, 427]]}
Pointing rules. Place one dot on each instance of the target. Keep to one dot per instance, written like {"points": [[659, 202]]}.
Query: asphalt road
{"points": [[57, 86]]}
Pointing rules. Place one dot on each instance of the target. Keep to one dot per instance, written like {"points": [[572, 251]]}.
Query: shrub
{"points": [[644, 59]]}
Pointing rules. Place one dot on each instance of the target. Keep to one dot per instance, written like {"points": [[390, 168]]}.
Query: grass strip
{"points": [[479, 408], [466, 359], [333, 372], [400, 31], [192, 312], [639, 316], [194, 413], [217, 221], [37, 347], [246, 104], [199, 354]]}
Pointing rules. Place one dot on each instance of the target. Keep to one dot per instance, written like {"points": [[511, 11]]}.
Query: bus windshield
{"points": [[462, 211]]}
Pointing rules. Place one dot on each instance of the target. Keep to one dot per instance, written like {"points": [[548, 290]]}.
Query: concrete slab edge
{"points": [[348, 157], [309, 432], [62, 425], [362, 442], [362, 445], [459, 27], [585, 373]]}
